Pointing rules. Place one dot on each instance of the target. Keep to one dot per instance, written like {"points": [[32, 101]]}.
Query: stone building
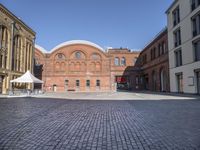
{"points": [[184, 46], [16, 49], [153, 65], [84, 66]]}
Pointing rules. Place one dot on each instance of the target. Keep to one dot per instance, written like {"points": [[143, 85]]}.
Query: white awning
{"points": [[27, 78]]}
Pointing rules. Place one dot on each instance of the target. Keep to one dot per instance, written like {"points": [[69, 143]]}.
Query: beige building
{"points": [[16, 49], [184, 46]]}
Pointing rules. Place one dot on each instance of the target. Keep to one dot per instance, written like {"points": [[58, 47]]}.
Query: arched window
{"points": [[78, 55], [123, 61], [134, 60], [154, 81], [60, 56], [16, 55], [117, 61], [163, 80], [4, 39]]}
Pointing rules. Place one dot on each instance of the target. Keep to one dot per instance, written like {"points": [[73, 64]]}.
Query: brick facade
{"points": [[153, 65], [83, 66]]}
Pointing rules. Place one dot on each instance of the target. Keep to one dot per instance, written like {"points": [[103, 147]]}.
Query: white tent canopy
{"points": [[27, 78]]}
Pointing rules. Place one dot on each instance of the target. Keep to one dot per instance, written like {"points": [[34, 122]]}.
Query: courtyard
{"points": [[52, 123]]}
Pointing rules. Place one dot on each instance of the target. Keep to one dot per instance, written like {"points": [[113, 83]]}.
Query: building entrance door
{"points": [[163, 81], [1, 84], [54, 88], [198, 82]]}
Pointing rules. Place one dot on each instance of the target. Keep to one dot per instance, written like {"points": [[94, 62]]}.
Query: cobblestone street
{"points": [[45, 124]]}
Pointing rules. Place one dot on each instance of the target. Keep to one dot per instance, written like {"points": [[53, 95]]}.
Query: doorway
{"points": [[1, 84], [54, 88], [198, 82], [163, 81]]}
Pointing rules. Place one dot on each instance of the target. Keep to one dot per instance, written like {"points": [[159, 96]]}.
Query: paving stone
{"points": [[33, 123]]}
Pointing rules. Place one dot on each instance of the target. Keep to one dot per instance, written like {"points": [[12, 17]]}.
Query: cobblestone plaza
{"points": [[33, 123]]}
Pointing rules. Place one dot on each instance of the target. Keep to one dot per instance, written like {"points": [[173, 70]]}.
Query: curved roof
{"points": [[76, 42], [41, 48]]}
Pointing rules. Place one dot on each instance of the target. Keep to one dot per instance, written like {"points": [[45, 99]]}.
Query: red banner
{"points": [[121, 79]]}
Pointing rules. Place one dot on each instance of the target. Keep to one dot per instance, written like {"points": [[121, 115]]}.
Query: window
{"points": [[60, 56], [176, 16], [159, 49], [78, 55], [123, 61], [137, 80], [179, 78], [144, 59], [153, 53], [178, 58], [163, 47], [177, 38], [66, 82], [98, 83], [194, 4], [196, 46], [134, 60], [88, 83], [77, 83], [4, 40], [196, 25], [117, 61]]}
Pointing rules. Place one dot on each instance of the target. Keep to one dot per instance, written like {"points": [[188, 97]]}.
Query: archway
{"points": [[163, 80]]}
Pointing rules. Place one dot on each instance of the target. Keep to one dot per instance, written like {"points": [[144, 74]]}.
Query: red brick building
{"points": [[153, 65], [84, 66]]}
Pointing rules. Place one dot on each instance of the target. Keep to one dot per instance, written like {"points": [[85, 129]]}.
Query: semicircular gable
{"points": [[67, 44], [41, 49]]}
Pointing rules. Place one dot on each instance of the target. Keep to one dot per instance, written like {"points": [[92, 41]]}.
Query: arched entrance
{"points": [[154, 81], [163, 80]]}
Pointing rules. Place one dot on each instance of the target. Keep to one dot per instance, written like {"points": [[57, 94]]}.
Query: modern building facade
{"points": [[16, 49], [153, 65], [184, 46], [80, 65]]}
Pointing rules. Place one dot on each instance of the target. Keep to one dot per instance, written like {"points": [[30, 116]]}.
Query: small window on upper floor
{"points": [[176, 16], [60, 56], [144, 59], [78, 55], [123, 61], [178, 58], [177, 37], [194, 4], [117, 63], [153, 53], [196, 46], [134, 60], [196, 25]]}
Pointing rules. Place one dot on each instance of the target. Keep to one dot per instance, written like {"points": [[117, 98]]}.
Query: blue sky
{"points": [[108, 23]]}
